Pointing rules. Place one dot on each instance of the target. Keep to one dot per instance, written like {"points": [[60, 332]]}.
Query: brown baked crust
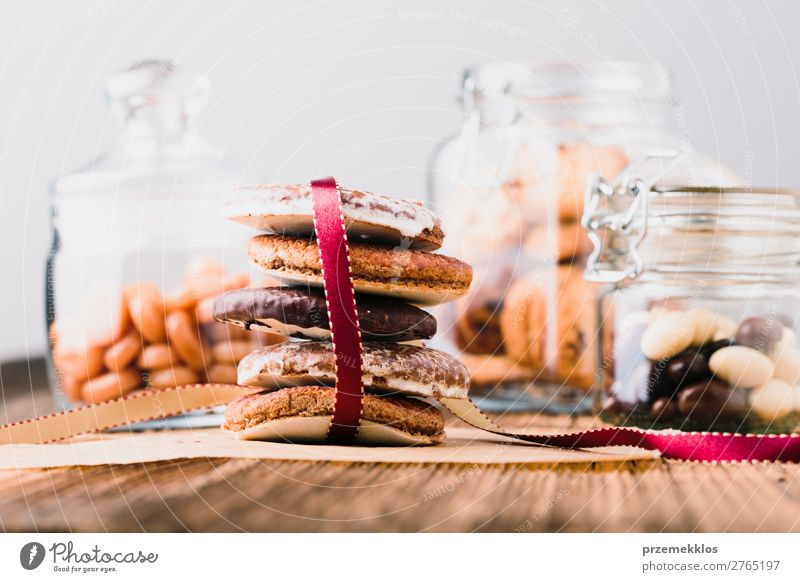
{"points": [[477, 326], [577, 315], [572, 321], [489, 371], [571, 241], [523, 302], [433, 236], [368, 262], [578, 161], [412, 416]]}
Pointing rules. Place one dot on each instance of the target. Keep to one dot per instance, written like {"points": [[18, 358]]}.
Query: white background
{"points": [[391, 69], [397, 557]]}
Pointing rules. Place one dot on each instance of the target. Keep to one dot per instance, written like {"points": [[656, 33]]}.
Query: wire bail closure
{"points": [[615, 216]]}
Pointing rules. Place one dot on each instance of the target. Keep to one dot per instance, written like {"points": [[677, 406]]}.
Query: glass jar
{"points": [[139, 251], [700, 321], [510, 190]]}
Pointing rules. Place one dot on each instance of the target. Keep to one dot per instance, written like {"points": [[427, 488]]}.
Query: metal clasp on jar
{"points": [[615, 216]]}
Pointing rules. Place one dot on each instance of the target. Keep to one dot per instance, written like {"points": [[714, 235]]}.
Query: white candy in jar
{"points": [[741, 367], [787, 364], [773, 400], [670, 333], [726, 328], [788, 339], [706, 324]]}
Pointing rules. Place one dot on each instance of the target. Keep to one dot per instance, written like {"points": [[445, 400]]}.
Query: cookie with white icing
{"points": [[303, 414], [300, 312], [287, 209], [386, 368]]}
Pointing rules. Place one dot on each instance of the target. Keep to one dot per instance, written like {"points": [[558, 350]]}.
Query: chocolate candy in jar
{"points": [[721, 353], [138, 244], [759, 332]]}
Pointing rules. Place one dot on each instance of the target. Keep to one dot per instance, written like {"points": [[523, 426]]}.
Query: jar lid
{"points": [[158, 97], [574, 96], [643, 229], [160, 155], [568, 80]]}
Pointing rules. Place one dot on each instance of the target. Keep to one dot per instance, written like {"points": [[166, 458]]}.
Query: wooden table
{"points": [[254, 495]]}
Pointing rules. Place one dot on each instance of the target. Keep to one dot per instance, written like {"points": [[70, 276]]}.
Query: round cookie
{"points": [[489, 371], [395, 368], [415, 276], [288, 209], [524, 302], [578, 161], [303, 414], [570, 241], [557, 341], [301, 312], [576, 340], [477, 326]]}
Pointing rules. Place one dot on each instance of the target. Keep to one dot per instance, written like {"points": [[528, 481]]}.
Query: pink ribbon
{"points": [[346, 338]]}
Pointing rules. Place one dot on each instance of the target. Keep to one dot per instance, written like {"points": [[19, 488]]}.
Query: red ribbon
{"points": [[346, 337], [342, 314], [685, 446]]}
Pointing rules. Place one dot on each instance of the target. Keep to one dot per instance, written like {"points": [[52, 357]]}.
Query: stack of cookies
{"points": [[393, 272]]}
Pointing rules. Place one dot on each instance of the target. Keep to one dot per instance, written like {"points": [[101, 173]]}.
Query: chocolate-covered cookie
{"points": [[387, 368], [300, 312], [303, 414]]}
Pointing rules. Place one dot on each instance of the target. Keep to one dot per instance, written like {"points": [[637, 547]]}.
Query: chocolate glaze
{"points": [[380, 318]]}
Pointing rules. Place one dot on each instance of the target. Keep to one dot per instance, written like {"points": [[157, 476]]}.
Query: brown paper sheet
{"points": [[467, 446]]}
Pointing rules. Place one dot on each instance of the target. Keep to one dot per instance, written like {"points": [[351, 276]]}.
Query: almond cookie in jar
{"points": [[510, 190], [703, 306], [139, 252]]}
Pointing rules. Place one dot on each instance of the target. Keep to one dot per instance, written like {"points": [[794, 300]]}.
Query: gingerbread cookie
{"points": [[549, 324], [524, 302], [577, 162], [564, 242], [287, 209], [303, 414], [493, 370], [387, 368], [300, 312], [477, 328], [414, 276]]}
